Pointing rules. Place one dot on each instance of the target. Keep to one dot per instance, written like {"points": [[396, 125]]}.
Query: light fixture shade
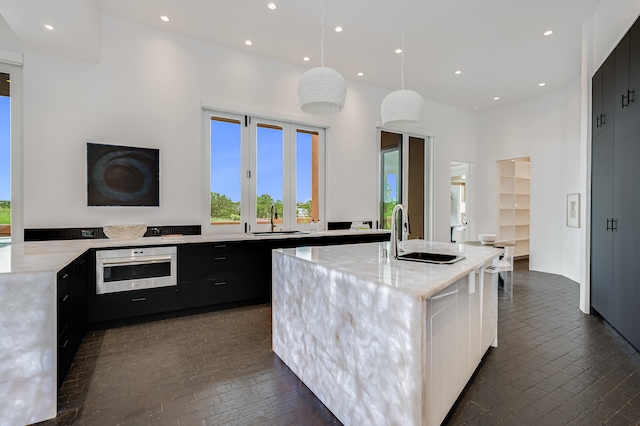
{"points": [[322, 90], [402, 109]]}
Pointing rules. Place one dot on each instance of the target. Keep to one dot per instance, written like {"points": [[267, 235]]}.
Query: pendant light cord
{"points": [[322, 34], [402, 50]]}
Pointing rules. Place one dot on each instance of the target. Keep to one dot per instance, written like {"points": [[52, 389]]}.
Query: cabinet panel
{"points": [[626, 234], [603, 96], [213, 292], [71, 313], [634, 66], [621, 55], [127, 304], [601, 215], [441, 354], [213, 274]]}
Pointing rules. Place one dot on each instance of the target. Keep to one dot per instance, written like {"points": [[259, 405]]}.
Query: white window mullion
{"points": [[289, 175], [248, 180]]}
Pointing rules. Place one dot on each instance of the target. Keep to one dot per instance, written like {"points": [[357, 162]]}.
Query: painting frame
{"points": [[573, 210], [119, 175]]}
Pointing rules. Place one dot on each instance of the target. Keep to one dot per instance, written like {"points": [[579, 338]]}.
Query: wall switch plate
{"points": [[87, 233]]}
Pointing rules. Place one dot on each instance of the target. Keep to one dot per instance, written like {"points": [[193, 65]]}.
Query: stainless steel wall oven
{"points": [[135, 269]]}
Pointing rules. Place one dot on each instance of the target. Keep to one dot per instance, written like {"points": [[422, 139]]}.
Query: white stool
{"points": [[505, 269]]}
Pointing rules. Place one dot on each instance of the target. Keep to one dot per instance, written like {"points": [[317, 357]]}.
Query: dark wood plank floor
{"points": [[553, 366]]}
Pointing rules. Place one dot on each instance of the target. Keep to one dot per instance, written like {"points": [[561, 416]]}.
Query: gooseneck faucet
{"points": [[393, 244], [274, 213]]}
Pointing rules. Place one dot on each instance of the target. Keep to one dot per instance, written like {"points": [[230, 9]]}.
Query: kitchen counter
{"points": [[28, 317], [51, 256], [381, 341]]}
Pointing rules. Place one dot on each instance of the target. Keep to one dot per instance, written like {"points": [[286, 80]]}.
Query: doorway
{"points": [[406, 177], [514, 189], [459, 217]]}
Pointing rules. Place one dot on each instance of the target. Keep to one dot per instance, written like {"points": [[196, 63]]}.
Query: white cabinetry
{"points": [[461, 325], [514, 203]]}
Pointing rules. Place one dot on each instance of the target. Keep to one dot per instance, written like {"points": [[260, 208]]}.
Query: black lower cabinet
{"points": [[127, 304], [72, 312], [218, 273]]}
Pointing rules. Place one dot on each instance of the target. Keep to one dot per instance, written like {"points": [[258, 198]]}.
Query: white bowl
{"points": [[124, 232], [487, 238]]}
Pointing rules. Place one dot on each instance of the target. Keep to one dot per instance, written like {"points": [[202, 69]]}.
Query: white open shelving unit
{"points": [[514, 183]]}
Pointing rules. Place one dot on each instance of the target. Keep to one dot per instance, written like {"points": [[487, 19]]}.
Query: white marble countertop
{"points": [[370, 262], [51, 256]]}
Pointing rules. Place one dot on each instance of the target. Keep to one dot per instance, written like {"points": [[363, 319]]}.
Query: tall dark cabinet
{"points": [[615, 204]]}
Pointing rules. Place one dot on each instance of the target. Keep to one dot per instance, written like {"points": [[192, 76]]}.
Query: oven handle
{"points": [[142, 261]]}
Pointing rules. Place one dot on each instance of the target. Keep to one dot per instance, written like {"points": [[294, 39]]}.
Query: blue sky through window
{"points": [[226, 166], [5, 149]]}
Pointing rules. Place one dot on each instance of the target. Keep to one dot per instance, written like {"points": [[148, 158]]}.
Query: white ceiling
{"points": [[498, 44]]}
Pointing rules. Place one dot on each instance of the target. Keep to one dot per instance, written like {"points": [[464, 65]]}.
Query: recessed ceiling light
{"points": [[165, 18], [497, 98], [248, 42], [360, 74], [49, 27], [548, 32], [338, 29], [398, 50], [306, 59], [272, 6], [458, 72], [542, 84]]}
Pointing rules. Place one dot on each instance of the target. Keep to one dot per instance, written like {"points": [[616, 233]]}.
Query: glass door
{"points": [[5, 159], [391, 184]]}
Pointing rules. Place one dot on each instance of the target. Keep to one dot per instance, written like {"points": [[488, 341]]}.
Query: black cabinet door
{"points": [[127, 304], [216, 273], [603, 95], [621, 54], [634, 67], [626, 234], [601, 223], [71, 313]]}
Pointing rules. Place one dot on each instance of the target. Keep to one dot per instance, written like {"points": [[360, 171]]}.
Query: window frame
{"points": [[249, 125], [13, 67]]}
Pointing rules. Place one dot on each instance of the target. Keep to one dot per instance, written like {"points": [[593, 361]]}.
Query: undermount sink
{"points": [[425, 257], [279, 232]]}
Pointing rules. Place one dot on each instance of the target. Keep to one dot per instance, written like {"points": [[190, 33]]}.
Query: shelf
{"points": [[522, 201], [506, 233], [522, 186], [507, 201], [522, 169], [514, 202], [506, 168], [507, 185], [507, 218]]}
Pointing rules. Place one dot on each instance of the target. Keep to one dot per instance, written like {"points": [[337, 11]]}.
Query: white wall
{"points": [[546, 129], [611, 21], [147, 91]]}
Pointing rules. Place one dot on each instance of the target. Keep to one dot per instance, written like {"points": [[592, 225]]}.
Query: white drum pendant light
{"points": [[322, 90], [402, 109]]}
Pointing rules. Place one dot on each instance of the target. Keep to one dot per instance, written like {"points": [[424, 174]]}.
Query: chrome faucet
{"points": [[274, 213], [393, 244]]}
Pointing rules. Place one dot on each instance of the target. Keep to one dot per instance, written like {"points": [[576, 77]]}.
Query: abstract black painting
{"points": [[122, 175]]}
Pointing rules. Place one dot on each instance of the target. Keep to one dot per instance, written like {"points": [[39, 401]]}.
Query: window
{"points": [[5, 157], [406, 176], [258, 165]]}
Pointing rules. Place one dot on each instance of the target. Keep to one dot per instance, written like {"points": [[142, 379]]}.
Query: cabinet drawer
{"points": [[211, 266], [212, 292], [134, 303]]}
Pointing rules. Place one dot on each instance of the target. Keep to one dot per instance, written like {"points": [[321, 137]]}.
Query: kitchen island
{"points": [[381, 341], [32, 338]]}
